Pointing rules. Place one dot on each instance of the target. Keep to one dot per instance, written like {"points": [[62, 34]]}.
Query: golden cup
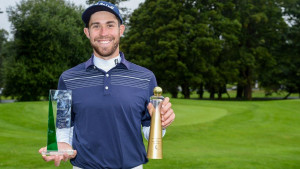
{"points": [[155, 138]]}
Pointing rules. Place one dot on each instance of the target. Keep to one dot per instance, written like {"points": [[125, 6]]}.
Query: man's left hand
{"points": [[167, 113]]}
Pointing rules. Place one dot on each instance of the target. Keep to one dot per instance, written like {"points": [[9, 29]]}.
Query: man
{"points": [[110, 99]]}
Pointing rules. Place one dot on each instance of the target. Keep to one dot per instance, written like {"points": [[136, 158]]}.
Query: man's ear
{"points": [[86, 32], [122, 29]]}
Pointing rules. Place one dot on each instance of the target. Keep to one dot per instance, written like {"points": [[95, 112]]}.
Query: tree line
{"points": [[196, 45]]}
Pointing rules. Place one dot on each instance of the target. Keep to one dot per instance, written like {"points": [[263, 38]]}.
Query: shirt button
{"points": [[106, 87], [107, 75]]}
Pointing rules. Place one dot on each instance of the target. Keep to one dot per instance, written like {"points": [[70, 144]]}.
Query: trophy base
{"points": [[59, 152], [155, 157]]}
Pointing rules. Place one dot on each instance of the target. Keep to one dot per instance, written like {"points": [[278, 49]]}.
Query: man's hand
{"points": [[57, 158], [167, 113]]}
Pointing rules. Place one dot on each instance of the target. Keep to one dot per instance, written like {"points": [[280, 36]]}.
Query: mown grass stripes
{"points": [[205, 134]]}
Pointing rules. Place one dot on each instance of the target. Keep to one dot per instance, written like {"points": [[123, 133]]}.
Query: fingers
{"points": [[167, 112], [150, 108], [165, 123], [165, 102], [42, 150], [72, 156], [65, 157], [57, 160], [165, 108], [48, 158]]}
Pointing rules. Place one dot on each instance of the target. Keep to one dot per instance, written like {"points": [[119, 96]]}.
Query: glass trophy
{"points": [[59, 121]]}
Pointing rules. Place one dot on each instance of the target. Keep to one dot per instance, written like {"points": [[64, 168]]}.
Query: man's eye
{"points": [[95, 26], [110, 26]]}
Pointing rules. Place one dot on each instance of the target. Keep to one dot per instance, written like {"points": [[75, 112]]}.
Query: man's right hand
{"points": [[57, 158]]}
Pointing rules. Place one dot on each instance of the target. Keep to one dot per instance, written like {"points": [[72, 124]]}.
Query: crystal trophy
{"points": [[155, 137], [59, 120]]}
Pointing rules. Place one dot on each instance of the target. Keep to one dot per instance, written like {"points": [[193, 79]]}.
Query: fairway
{"points": [[205, 134]]}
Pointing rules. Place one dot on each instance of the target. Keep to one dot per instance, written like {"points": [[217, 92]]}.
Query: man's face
{"points": [[104, 34]]}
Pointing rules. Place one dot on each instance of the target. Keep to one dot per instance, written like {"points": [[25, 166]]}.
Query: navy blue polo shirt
{"points": [[108, 109]]}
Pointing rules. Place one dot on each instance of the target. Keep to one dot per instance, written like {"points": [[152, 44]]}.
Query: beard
{"points": [[106, 51]]}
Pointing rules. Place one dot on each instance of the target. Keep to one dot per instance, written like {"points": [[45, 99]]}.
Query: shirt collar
{"points": [[90, 62]]}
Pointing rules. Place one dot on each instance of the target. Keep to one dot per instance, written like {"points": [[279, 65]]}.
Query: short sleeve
{"points": [[146, 119], [62, 86]]}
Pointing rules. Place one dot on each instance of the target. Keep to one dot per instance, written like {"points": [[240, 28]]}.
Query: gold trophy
{"points": [[155, 138]]}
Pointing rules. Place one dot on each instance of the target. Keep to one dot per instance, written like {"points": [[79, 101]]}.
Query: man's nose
{"points": [[103, 31]]}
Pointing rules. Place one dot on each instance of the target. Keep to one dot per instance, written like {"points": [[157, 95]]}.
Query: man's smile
{"points": [[104, 41]]}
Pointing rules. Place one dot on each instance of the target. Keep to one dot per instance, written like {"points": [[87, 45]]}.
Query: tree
{"points": [[157, 40], [182, 42], [197, 44], [3, 40], [48, 39], [289, 61], [260, 38], [217, 46], [293, 77]]}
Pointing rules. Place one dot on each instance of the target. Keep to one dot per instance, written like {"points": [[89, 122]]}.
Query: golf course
{"points": [[206, 134]]}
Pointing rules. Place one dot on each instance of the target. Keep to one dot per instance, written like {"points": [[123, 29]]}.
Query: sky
{"points": [[4, 4]]}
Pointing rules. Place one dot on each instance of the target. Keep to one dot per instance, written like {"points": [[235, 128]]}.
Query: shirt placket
{"points": [[107, 84]]}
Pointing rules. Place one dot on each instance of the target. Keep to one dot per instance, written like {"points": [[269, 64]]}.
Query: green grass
{"points": [[257, 134], [256, 94], [206, 134]]}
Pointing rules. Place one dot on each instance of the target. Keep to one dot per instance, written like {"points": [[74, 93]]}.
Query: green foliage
{"points": [[196, 44], [160, 37], [205, 134], [283, 70], [183, 43], [259, 41], [48, 39], [290, 62], [3, 40]]}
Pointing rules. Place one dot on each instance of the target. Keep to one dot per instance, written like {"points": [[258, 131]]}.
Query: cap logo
{"points": [[107, 5]]}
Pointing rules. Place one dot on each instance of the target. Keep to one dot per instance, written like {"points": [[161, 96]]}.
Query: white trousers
{"points": [[137, 167]]}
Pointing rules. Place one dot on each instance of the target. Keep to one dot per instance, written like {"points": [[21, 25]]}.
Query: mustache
{"points": [[104, 38]]}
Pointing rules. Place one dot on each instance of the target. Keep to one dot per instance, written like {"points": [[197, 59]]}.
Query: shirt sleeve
{"points": [[65, 135], [61, 84], [146, 119]]}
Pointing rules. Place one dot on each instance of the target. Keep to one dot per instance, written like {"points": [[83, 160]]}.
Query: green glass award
{"points": [[59, 121]]}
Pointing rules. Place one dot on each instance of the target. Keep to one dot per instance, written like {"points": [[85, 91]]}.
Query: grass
{"points": [[232, 134], [256, 94], [206, 134]]}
